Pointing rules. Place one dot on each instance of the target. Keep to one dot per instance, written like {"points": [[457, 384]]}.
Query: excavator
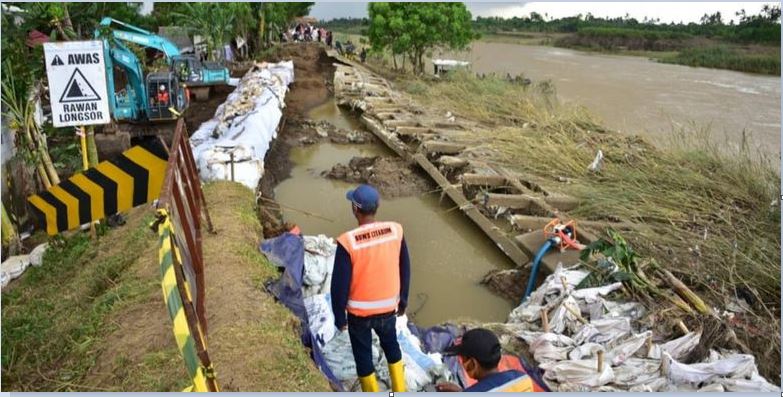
{"points": [[147, 104], [196, 75], [142, 106]]}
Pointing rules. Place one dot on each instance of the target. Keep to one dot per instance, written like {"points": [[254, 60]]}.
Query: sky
{"points": [[666, 11]]}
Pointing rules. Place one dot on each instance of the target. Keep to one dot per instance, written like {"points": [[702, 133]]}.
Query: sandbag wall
{"points": [[232, 145]]}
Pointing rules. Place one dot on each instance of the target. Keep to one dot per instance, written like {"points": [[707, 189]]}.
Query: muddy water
{"points": [[639, 96], [449, 255]]}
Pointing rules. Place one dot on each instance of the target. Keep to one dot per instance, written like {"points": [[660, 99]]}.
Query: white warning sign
{"points": [[77, 83]]}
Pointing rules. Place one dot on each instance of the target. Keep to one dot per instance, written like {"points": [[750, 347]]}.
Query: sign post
{"points": [[77, 83], [77, 89]]}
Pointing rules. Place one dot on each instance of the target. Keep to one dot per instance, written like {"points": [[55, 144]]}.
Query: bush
{"points": [[723, 57]]}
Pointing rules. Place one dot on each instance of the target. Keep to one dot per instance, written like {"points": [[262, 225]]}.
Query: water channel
{"points": [[449, 255]]}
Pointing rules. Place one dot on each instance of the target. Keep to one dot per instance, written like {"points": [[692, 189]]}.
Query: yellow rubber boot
{"points": [[369, 383], [397, 375]]}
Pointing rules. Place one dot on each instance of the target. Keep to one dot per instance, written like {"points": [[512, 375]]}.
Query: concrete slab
{"points": [[531, 242], [515, 201], [442, 147], [483, 180]]}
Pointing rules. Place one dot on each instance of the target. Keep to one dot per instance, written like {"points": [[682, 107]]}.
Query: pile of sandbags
{"points": [[589, 344], [239, 135]]}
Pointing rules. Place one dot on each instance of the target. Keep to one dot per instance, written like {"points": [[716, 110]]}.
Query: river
{"points": [[639, 96]]}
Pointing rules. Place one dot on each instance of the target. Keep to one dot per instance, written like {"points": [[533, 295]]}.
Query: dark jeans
{"points": [[360, 331]]}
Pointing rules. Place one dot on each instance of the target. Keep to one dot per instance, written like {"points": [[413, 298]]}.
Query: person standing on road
{"points": [[370, 281]]}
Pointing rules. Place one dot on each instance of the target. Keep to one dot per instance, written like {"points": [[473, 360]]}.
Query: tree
{"points": [[219, 23], [413, 29]]}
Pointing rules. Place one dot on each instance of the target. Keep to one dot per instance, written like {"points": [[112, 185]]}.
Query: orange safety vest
{"points": [[374, 249], [521, 384], [507, 362]]}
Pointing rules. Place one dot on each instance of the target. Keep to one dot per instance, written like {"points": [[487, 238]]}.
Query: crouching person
{"points": [[480, 353]]}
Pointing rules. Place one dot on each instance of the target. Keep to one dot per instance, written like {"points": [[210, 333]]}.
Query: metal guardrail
{"points": [[179, 226]]}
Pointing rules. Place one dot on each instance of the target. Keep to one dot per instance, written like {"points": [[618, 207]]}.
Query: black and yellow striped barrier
{"points": [[190, 339], [133, 178]]}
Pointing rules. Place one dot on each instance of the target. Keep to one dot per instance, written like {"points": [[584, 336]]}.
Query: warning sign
{"points": [[77, 83]]}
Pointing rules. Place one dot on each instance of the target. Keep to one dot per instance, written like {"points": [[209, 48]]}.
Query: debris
{"points": [[595, 166], [607, 351]]}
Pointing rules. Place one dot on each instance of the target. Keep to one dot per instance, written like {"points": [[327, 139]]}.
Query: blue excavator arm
{"points": [[130, 103], [141, 37]]}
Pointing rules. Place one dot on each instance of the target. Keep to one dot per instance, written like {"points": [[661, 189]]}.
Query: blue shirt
{"points": [[494, 380]]}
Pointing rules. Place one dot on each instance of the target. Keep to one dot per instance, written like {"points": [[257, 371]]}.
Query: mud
{"points": [[392, 176], [313, 71], [199, 112]]}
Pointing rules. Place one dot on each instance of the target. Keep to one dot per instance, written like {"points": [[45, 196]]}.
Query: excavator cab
{"points": [[167, 98]]}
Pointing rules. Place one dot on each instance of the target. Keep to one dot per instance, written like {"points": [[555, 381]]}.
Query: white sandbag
{"points": [[581, 372], [677, 348], [36, 255], [590, 295], [603, 331], [320, 318], [638, 372], [419, 366], [627, 348], [12, 268], [551, 347], [588, 350], [737, 365], [755, 384], [632, 310], [565, 317], [339, 357], [319, 254], [712, 388], [658, 384]]}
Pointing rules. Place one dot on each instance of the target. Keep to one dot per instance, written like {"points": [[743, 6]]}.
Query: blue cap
{"points": [[364, 197]]}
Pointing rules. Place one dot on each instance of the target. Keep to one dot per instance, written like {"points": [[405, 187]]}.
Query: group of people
{"points": [[370, 286], [306, 32]]}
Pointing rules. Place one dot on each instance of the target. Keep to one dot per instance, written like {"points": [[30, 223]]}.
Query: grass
{"points": [[54, 315], [707, 215], [92, 317], [253, 339], [731, 58]]}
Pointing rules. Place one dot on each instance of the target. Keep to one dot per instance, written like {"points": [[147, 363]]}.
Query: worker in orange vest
{"points": [[480, 353], [370, 281]]}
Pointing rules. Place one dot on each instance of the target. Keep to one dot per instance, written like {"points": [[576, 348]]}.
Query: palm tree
{"points": [[214, 21]]}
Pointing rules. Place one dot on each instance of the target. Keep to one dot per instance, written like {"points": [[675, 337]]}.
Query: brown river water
{"points": [[449, 254], [638, 96]]}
